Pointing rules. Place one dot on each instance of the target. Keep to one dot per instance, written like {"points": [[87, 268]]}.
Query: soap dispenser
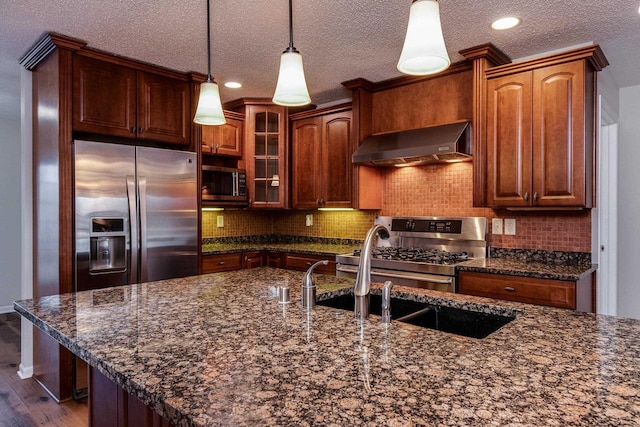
{"points": [[309, 287]]}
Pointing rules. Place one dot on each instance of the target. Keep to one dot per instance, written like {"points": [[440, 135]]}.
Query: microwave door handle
{"points": [[142, 187], [133, 230], [234, 179]]}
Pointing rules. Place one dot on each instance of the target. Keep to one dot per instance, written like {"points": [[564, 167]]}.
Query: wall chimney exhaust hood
{"points": [[446, 143]]}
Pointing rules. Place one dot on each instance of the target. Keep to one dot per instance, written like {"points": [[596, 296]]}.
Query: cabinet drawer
{"points": [[303, 262], [554, 293], [217, 263]]}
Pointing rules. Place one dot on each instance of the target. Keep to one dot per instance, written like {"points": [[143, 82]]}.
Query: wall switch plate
{"points": [[510, 226], [496, 226], [309, 220], [220, 221]]}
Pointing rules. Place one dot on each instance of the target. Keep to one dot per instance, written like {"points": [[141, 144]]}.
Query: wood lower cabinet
{"points": [[111, 406], [554, 293], [321, 159], [253, 259], [540, 131], [302, 262], [275, 259], [113, 99], [223, 262], [226, 139]]}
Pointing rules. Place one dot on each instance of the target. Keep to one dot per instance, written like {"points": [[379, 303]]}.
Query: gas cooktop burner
{"points": [[432, 256]]}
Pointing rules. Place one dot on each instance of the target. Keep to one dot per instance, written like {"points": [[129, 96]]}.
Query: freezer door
{"points": [[102, 214], [167, 192]]}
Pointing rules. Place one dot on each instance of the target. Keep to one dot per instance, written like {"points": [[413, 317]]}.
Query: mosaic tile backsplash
{"points": [[430, 190]]}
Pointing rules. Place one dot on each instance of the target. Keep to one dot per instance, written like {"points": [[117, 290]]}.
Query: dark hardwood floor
{"points": [[23, 403]]}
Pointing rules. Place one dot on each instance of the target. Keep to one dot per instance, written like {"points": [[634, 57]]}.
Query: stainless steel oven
{"points": [[421, 251]]}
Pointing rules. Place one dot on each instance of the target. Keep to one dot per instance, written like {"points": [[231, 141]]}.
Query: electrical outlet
{"points": [[309, 220], [510, 226], [496, 226], [220, 221]]}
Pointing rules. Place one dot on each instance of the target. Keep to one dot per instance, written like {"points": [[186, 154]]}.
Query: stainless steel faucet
{"points": [[309, 287], [363, 277]]}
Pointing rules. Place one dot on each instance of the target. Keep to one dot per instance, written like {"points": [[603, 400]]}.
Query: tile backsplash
{"points": [[430, 190], [447, 190]]}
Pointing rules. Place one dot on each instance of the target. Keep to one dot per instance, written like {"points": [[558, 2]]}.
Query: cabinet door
{"points": [[253, 260], [163, 109], [336, 174], [559, 135], [306, 170], [275, 260], [223, 140], [266, 157], [104, 97], [509, 140]]}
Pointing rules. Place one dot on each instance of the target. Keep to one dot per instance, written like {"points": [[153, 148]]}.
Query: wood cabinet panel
{"points": [[112, 99], [163, 109], [554, 293], [322, 169], [509, 140], [104, 97], [253, 259], [224, 140], [302, 262], [306, 141], [559, 135], [223, 262], [275, 259]]}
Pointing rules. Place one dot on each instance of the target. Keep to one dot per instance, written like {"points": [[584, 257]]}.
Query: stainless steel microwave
{"points": [[224, 186]]}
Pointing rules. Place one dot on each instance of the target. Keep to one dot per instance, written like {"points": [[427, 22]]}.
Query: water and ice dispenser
{"points": [[108, 240]]}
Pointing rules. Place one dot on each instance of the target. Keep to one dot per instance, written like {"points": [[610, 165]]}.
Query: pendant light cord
{"points": [[291, 25], [209, 42]]}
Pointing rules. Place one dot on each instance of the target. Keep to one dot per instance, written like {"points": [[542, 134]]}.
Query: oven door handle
{"points": [[375, 272]]}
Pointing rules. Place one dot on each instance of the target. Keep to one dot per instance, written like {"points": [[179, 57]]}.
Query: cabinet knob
{"points": [[526, 196], [133, 129], [140, 129], [535, 196], [222, 262], [217, 147], [510, 289], [319, 202]]}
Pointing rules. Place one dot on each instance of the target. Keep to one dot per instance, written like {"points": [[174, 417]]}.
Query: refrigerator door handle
{"points": [[133, 229], [142, 189]]}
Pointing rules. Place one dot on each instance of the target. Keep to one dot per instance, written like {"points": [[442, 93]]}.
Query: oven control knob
{"points": [[409, 225]]}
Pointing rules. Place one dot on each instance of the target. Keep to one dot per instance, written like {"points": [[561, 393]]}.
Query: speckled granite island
{"points": [[219, 350]]}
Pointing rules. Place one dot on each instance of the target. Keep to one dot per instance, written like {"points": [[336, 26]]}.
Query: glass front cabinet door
{"points": [[266, 157]]}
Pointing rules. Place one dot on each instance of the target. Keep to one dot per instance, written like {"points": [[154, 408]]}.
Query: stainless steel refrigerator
{"points": [[135, 214]]}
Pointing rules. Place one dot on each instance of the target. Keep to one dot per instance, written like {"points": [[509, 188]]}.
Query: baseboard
{"points": [[6, 309], [25, 372]]}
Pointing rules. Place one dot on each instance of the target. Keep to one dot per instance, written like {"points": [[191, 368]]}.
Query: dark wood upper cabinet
{"points": [[164, 112], [224, 140], [321, 161], [104, 97], [540, 131], [113, 99]]}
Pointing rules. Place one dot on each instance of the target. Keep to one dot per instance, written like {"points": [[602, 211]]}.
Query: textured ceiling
{"points": [[339, 39]]}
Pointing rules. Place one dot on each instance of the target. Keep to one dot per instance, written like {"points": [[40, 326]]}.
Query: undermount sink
{"points": [[457, 321]]}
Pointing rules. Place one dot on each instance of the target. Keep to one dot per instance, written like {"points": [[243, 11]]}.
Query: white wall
{"points": [[629, 203], [10, 216]]}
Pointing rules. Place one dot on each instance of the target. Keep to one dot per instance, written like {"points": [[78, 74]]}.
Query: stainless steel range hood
{"points": [[444, 143]]}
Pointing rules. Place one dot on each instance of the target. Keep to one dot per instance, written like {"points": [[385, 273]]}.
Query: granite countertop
{"points": [[323, 249], [541, 270], [219, 350]]}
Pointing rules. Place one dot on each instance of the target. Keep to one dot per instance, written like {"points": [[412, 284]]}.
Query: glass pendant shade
{"points": [[424, 51], [291, 89], [209, 111]]}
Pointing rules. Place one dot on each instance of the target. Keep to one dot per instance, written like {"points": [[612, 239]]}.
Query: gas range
{"points": [[421, 251]]}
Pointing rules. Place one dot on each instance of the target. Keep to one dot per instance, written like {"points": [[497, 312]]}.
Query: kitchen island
{"points": [[220, 350]]}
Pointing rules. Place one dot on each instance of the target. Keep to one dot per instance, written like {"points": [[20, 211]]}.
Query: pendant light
{"points": [[209, 111], [424, 51], [291, 89]]}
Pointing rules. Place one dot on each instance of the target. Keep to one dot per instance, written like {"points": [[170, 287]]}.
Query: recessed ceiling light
{"points": [[232, 85], [505, 23]]}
